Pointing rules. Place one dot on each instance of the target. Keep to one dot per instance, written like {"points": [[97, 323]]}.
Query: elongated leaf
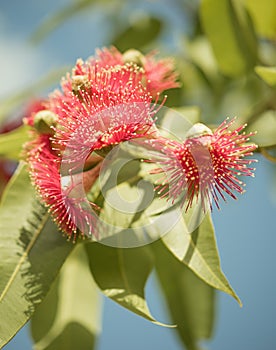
{"points": [[69, 317], [263, 14], [190, 300], [32, 252], [268, 74], [231, 35], [11, 142], [121, 274], [198, 250], [138, 35], [132, 217]]}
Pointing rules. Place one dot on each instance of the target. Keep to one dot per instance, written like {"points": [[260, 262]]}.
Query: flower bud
{"points": [[44, 121], [134, 56]]}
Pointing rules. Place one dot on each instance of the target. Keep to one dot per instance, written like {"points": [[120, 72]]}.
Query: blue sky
{"points": [[245, 228]]}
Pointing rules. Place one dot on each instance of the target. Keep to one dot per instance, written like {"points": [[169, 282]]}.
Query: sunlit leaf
{"points": [[11, 142], [231, 35], [263, 14], [198, 250], [130, 214], [32, 252], [134, 215], [190, 300], [121, 274], [69, 317], [126, 206], [268, 74], [139, 34]]}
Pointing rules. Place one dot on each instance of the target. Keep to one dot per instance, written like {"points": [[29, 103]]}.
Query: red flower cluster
{"points": [[109, 99], [106, 100]]}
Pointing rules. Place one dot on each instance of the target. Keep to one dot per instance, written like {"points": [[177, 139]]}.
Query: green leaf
{"points": [[32, 252], [139, 34], [11, 142], [69, 317], [130, 214], [268, 74], [198, 250], [190, 300], [231, 35], [121, 274], [265, 126], [263, 14], [126, 206], [134, 215]]}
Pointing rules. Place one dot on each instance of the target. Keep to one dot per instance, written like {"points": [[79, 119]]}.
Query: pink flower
{"points": [[205, 166], [113, 107], [160, 74], [157, 74], [66, 201], [102, 103]]}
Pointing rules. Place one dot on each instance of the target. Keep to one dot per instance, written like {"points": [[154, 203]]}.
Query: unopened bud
{"points": [[134, 56], [44, 121]]}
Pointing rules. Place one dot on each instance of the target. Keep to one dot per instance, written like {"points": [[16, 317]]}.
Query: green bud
{"points": [[44, 121], [134, 56]]}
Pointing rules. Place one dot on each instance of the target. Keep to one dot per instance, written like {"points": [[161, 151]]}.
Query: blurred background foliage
{"points": [[224, 50]]}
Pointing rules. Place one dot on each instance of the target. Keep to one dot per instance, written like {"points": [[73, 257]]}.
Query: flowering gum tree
{"points": [[90, 149], [117, 174], [105, 101]]}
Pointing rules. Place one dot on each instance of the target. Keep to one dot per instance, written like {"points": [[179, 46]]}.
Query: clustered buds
{"points": [[109, 99]]}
